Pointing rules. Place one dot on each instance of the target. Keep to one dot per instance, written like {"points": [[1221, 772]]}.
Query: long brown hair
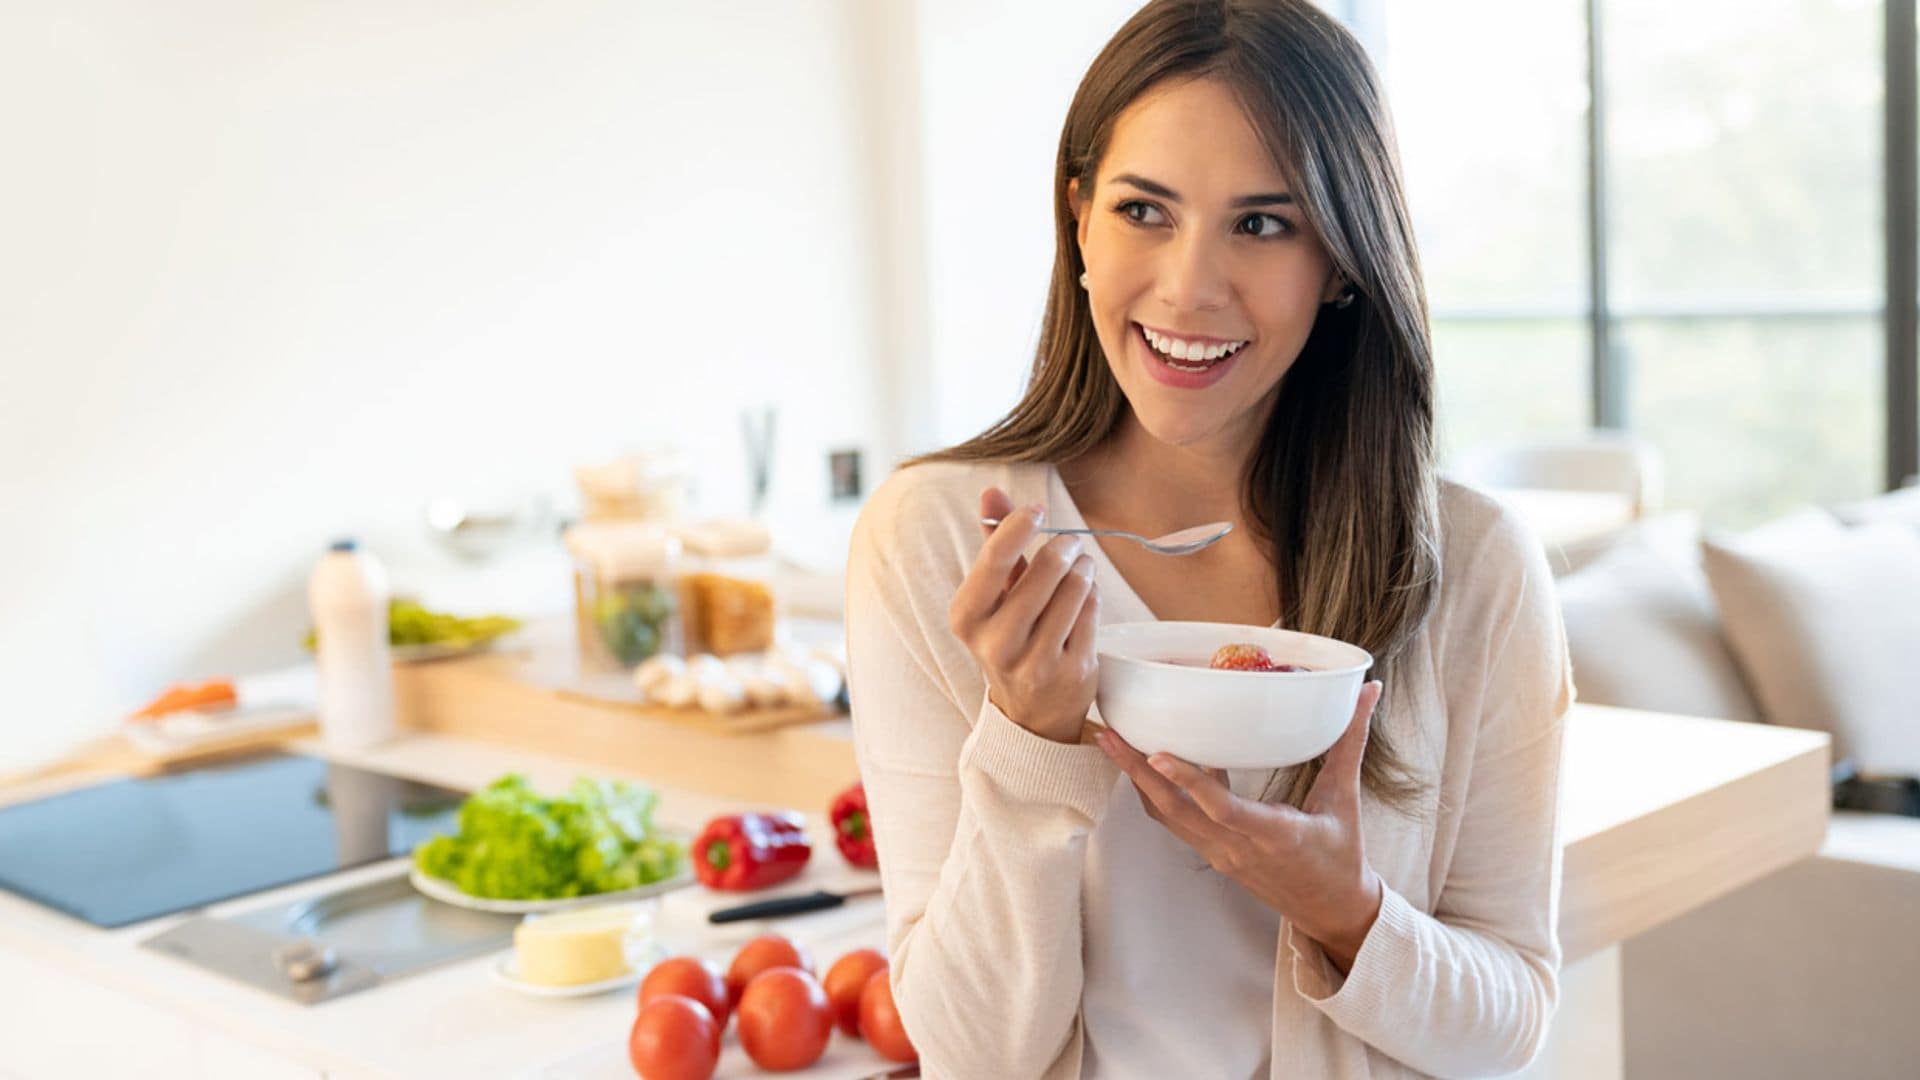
{"points": [[1342, 484]]}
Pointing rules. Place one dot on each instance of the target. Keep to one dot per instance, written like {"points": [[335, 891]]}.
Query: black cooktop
{"points": [[132, 850]]}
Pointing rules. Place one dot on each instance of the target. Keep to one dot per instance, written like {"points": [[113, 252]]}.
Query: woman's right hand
{"points": [[1030, 625]]}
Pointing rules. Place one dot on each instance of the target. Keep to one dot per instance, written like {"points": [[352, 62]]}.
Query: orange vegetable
{"points": [[213, 694]]}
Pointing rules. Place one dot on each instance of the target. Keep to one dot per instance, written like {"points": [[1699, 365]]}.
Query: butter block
{"points": [[574, 947]]}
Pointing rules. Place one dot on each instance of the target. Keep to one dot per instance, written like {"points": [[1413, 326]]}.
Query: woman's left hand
{"points": [[1308, 864]]}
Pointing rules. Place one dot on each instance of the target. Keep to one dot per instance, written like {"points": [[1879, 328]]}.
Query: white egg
{"points": [[765, 693], [706, 667], [657, 669], [814, 685], [677, 692], [727, 697]]}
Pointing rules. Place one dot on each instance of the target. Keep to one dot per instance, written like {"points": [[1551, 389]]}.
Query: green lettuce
{"points": [[514, 844]]}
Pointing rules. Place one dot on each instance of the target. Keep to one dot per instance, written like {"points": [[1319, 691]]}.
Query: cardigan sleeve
{"points": [[982, 826], [1469, 989]]}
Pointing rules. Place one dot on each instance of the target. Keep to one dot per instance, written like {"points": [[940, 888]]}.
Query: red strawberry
{"points": [[1242, 658]]}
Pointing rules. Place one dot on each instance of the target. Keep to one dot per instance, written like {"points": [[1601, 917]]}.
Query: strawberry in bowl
{"points": [[1243, 657]]}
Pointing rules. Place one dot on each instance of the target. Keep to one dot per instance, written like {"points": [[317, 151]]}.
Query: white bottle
{"points": [[348, 595]]}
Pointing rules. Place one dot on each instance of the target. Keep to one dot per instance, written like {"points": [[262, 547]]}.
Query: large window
{"points": [[1497, 182], [1686, 240], [1745, 245]]}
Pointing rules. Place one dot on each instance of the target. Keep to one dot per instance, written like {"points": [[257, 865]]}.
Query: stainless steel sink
{"points": [[328, 946]]}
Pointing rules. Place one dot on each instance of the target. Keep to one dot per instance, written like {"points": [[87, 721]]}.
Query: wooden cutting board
{"points": [[550, 662], [113, 756], [617, 689]]}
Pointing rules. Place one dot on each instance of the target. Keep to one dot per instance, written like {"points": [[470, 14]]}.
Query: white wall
{"points": [[996, 79], [273, 272]]}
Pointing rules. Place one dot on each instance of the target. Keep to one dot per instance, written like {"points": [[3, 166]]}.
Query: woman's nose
{"points": [[1194, 275]]}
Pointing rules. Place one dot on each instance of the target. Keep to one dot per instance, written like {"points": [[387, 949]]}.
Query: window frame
{"points": [[1609, 370]]}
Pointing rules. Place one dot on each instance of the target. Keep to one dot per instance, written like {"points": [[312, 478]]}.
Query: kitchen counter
{"points": [[453, 1021], [1661, 815]]}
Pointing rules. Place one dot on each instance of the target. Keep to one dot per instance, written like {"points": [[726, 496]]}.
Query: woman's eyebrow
{"points": [[1159, 190]]}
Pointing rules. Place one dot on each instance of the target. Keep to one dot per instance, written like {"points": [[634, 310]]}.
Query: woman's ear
{"points": [[1336, 284]]}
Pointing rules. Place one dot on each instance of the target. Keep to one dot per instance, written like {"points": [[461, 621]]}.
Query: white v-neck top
{"points": [[1040, 924]]}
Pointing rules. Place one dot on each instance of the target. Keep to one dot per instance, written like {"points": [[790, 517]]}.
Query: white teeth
{"points": [[1194, 352]]}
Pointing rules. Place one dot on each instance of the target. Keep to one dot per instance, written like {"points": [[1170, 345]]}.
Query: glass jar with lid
{"points": [[646, 485], [726, 586], [626, 581]]}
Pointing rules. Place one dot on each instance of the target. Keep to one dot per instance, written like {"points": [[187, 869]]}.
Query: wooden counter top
{"points": [[1661, 814]]}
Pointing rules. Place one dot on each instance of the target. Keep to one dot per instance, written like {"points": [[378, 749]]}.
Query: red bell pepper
{"points": [[742, 852], [853, 829]]}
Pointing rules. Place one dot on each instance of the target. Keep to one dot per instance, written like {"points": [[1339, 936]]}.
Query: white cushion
{"points": [[1569, 557], [1825, 622], [1894, 508], [1642, 630]]}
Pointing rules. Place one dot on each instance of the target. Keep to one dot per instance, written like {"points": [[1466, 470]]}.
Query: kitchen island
{"points": [[1661, 814]]}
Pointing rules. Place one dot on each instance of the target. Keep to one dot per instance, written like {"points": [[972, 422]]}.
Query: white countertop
{"points": [[452, 1021], [1661, 814]]}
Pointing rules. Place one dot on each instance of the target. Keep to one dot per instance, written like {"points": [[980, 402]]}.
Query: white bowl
{"points": [[1155, 700]]}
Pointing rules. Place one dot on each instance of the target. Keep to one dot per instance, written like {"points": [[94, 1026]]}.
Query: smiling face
{"points": [[1203, 275]]}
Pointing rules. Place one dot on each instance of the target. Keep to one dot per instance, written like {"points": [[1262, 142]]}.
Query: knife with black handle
{"points": [[789, 905]]}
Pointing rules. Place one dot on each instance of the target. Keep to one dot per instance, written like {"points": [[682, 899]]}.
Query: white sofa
{"points": [[1813, 971]]}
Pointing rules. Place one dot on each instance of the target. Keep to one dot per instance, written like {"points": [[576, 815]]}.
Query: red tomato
{"points": [[785, 1020], [691, 977], [674, 1038], [844, 982], [756, 956], [880, 1021]]}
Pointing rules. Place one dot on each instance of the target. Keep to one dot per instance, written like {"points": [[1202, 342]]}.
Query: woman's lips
{"points": [[1168, 375]]}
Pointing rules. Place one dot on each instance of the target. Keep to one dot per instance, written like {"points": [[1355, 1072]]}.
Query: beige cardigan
{"points": [[1040, 924]]}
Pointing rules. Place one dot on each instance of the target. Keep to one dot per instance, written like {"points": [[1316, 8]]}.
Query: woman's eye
{"points": [[1261, 226], [1140, 213], [1265, 225]]}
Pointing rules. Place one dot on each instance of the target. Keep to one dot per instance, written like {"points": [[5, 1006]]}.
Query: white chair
{"points": [[1600, 462]]}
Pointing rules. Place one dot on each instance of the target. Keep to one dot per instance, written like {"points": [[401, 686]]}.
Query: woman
{"points": [[1236, 331]]}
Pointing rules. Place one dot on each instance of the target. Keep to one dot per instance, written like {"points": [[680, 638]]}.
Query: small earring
{"points": [[1083, 279], [1345, 299]]}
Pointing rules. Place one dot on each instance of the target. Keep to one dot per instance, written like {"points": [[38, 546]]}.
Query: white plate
{"points": [[444, 650], [505, 970], [447, 892]]}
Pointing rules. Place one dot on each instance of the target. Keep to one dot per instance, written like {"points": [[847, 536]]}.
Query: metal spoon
{"points": [[1181, 542]]}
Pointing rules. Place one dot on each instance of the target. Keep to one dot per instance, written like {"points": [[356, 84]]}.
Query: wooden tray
{"points": [[551, 662], [618, 690]]}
